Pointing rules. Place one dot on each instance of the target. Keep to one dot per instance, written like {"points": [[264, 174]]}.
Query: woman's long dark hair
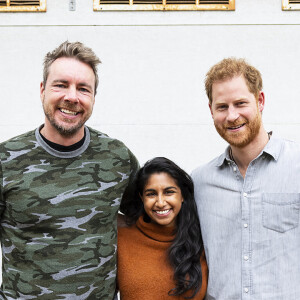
{"points": [[187, 247]]}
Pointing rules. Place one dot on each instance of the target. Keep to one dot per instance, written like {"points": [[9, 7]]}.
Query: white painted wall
{"points": [[151, 93]]}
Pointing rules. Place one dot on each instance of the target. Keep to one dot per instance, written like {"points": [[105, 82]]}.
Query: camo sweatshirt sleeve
{"points": [[134, 166], [2, 203]]}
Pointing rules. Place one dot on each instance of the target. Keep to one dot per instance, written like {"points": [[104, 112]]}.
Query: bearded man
{"points": [[60, 189], [249, 197]]}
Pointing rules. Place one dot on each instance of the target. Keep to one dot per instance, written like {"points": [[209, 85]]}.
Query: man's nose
{"points": [[232, 114], [71, 94]]}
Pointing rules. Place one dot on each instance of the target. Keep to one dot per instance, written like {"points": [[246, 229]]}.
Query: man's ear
{"points": [[261, 101], [42, 91], [210, 108]]}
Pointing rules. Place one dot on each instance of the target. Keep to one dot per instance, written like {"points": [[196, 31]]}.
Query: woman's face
{"points": [[162, 199]]}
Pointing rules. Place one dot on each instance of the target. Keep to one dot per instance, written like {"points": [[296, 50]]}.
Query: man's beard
{"points": [[241, 139], [66, 131]]}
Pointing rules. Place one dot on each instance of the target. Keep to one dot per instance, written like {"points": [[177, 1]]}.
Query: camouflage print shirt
{"points": [[58, 216]]}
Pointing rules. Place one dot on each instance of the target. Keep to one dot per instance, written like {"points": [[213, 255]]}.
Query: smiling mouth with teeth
{"points": [[162, 212], [68, 112], [236, 127]]}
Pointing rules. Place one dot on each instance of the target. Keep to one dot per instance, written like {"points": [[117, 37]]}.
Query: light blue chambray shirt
{"points": [[250, 225]]}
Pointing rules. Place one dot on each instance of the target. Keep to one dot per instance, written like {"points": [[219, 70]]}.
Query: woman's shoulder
{"points": [[204, 270], [123, 228]]}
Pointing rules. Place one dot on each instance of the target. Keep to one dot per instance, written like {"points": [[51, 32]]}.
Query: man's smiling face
{"points": [[68, 96], [236, 111]]}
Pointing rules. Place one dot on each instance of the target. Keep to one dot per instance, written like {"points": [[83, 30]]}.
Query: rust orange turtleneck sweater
{"points": [[144, 272]]}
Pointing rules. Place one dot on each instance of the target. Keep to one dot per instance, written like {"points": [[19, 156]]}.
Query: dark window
{"points": [[164, 5], [22, 5]]}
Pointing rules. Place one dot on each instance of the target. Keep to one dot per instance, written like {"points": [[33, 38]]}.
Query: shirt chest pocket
{"points": [[280, 211]]}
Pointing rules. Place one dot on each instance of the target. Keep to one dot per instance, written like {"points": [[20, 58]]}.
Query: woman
{"points": [[160, 256]]}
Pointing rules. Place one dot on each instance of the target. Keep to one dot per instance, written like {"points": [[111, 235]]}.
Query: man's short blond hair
{"points": [[232, 67], [74, 50]]}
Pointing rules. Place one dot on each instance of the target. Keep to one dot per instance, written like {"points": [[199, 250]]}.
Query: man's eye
{"points": [[60, 86], [84, 90]]}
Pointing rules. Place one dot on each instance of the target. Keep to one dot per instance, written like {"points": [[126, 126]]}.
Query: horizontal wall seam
{"points": [[146, 25]]}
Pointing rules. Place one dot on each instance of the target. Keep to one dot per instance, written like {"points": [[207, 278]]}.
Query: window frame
{"points": [[24, 8], [97, 6], [286, 5]]}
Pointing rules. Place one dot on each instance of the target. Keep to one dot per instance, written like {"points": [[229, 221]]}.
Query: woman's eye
{"points": [[150, 194], [170, 192]]}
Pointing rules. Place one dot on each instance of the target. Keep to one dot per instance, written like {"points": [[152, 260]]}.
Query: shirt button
{"points": [[245, 194], [246, 257], [246, 290], [245, 225], [234, 169]]}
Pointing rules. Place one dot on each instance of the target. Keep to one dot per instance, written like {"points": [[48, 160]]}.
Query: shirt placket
{"points": [[246, 255]]}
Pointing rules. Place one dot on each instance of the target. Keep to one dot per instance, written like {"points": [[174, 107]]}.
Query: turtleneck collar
{"points": [[155, 231]]}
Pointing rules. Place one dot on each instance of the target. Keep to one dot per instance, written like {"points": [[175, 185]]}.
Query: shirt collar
{"points": [[223, 158], [273, 148]]}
